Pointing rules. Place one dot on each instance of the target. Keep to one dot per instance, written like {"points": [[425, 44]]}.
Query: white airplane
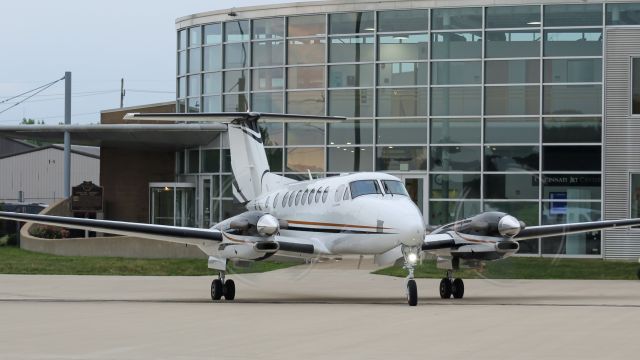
{"points": [[361, 213]]}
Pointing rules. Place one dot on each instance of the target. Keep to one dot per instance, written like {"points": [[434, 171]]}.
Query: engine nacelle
{"points": [[248, 251], [507, 246], [268, 225]]}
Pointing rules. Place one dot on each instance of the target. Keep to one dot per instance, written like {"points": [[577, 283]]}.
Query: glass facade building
{"points": [[477, 108]]}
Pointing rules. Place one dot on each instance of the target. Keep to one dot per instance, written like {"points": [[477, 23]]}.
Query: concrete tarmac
{"points": [[327, 311]]}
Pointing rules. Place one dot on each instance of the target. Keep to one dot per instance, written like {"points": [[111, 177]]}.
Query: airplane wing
{"points": [[175, 234], [228, 117], [532, 232]]}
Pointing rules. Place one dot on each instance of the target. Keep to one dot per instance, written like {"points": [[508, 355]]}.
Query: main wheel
{"points": [[216, 289], [638, 274], [457, 288], [229, 290], [445, 288], [412, 293]]}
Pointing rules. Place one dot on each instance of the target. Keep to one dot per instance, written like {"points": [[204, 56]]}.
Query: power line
{"points": [[45, 86], [151, 91], [42, 88], [75, 96]]}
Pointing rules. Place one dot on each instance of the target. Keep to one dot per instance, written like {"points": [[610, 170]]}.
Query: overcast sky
{"points": [[99, 42]]}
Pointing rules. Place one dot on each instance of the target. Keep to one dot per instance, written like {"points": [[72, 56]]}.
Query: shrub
{"points": [[49, 232]]}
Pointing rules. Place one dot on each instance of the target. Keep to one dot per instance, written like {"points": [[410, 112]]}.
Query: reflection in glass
{"points": [[511, 130], [162, 206], [512, 16], [635, 195], [306, 25], [194, 36], [236, 103], [445, 212], [270, 102], [455, 131], [512, 43], [274, 157], [306, 102], [455, 158], [226, 161], [402, 102], [351, 75], [351, 49], [236, 30], [511, 186], [456, 101], [454, 186], [271, 28], [456, 45], [182, 87], [457, 18], [456, 72], [212, 34], [193, 105], [512, 100], [351, 23], [403, 74], [195, 62], [401, 158], [182, 39], [305, 134], [305, 159], [572, 186], [272, 133], [573, 15], [403, 20], [523, 211], [210, 161], [512, 71], [306, 51], [235, 81], [236, 55], [212, 83], [305, 77], [212, 58], [572, 130], [212, 103], [352, 103], [623, 14], [511, 158], [562, 212], [402, 131], [350, 132], [635, 86], [268, 79], [182, 62], [350, 159], [572, 70], [194, 85], [572, 99], [193, 163], [268, 53], [403, 47], [586, 42], [572, 158]]}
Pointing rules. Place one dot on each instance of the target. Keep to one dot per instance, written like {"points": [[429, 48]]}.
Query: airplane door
{"points": [[417, 191]]}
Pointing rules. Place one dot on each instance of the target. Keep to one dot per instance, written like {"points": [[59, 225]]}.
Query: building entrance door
{"points": [[416, 187]]}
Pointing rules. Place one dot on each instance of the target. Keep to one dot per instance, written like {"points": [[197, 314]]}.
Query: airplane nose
{"points": [[413, 229]]}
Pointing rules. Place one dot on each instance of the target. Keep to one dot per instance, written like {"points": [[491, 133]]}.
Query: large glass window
{"points": [[272, 134], [194, 85], [512, 43], [512, 100], [455, 101], [455, 158], [194, 36], [635, 86], [402, 102], [272, 28], [512, 16], [212, 34], [445, 212], [305, 134], [305, 77], [526, 211], [236, 55], [212, 83], [635, 196], [586, 42], [268, 79], [512, 71], [573, 15], [456, 45], [403, 74], [306, 102], [572, 186], [572, 99], [306, 51], [210, 161], [352, 103], [455, 131], [457, 18], [268, 53], [236, 103], [456, 72], [511, 130], [350, 159], [401, 158], [572, 158], [212, 58], [511, 186], [402, 131], [511, 158], [350, 132], [351, 23], [195, 60], [274, 158], [182, 87], [351, 75], [235, 81], [572, 70], [403, 47], [623, 14], [572, 130], [212, 103], [182, 39], [306, 25], [562, 212], [271, 102], [304, 159], [454, 186], [403, 20], [182, 62], [351, 49], [236, 31]]}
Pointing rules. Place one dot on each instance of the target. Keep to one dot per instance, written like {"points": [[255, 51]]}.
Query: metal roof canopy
{"points": [[131, 136]]}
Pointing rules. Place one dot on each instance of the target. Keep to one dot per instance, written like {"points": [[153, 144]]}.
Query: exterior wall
{"points": [[10, 146], [40, 174], [622, 147], [116, 116]]}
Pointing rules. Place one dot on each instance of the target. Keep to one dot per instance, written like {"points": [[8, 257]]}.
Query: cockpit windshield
{"points": [[364, 187], [394, 187]]}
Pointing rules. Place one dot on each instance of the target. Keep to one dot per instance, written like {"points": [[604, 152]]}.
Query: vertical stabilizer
{"points": [[249, 162]]}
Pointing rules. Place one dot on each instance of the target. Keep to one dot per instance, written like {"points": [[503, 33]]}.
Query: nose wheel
{"points": [[410, 259], [223, 288], [451, 287]]}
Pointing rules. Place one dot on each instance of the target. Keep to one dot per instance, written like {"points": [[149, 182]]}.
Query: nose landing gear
{"points": [[450, 286], [410, 259], [220, 288]]}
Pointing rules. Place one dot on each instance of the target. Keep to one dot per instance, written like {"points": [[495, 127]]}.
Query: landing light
{"points": [[412, 258]]}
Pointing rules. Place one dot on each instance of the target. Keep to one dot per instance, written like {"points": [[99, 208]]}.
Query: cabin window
{"points": [[325, 195], [318, 195], [339, 191], [275, 200], [364, 187], [298, 196], [304, 197], [346, 194], [311, 195], [394, 187], [266, 202], [284, 199], [291, 198]]}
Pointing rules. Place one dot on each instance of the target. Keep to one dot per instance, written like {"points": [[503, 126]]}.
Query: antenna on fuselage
{"points": [[309, 172]]}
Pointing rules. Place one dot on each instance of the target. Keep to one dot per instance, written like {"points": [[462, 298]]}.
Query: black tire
{"points": [[638, 274], [412, 293], [229, 290], [457, 288], [216, 289], [445, 288]]}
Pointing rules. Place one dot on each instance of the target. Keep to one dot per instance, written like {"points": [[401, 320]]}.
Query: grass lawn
{"points": [[17, 261], [532, 268]]}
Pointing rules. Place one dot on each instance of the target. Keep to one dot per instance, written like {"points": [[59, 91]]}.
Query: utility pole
{"points": [[67, 135], [122, 93]]}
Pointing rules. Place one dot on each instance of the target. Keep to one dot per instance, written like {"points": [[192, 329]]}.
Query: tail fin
{"points": [[249, 162]]}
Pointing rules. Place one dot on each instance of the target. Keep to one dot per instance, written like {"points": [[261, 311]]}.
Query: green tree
{"points": [[30, 121]]}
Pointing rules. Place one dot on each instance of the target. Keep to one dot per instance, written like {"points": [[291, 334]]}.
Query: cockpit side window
{"points": [[364, 187], [394, 187]]}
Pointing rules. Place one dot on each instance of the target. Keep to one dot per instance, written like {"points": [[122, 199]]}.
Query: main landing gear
{"points": [[220, 288], [410, 260], [450, 286]]}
